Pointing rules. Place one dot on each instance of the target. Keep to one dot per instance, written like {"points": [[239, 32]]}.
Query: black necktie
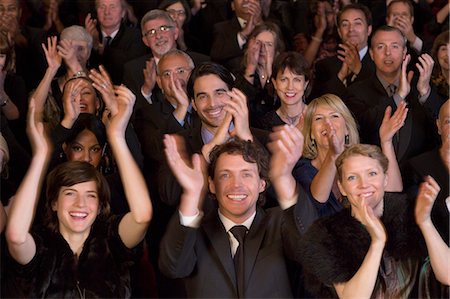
{"points": [[239, 232], [108, 41]]}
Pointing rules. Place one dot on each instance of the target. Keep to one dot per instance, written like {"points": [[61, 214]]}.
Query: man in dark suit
{"points": [[353, 62], [208, 253], [230, 36], [159, 33], [390, 86], [223, 112], [114, 44]]}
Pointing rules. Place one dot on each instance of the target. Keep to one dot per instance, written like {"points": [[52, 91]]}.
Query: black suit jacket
{"points": [[125, 46], [202, 257], [368, 101], [327, 81], [225, 48], [169, 189]]}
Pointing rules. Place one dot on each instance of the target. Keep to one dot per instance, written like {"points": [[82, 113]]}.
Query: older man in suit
{"points": [[391, 85]]}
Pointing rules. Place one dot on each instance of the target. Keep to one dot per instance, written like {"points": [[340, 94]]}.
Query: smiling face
{"points": [[237, 186], [353, 28], [77, 208], [290, 87], [363, 181], [110, 14], [162, 41], [388, 51], [323, 115], [210, 98], [85, 147]]}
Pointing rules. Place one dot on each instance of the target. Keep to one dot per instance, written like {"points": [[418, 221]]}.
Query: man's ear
{"points": [[158, 81], [262, 185], [212, 187], [371, 53], [193, 105], [369, 30]]}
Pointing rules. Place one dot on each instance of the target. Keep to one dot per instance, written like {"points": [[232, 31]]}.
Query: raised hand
{"points": [[335, 146], [349, 55], [392, 124], [71, 102], [286, 148], [405, 79], [149, 76], [190, 177], [253, 50], [119, 119], [102, 82], [372, 223], [67, 51], [36, 132], [237, 107], [425, 67], [428, 192], [91, 27], [51, 53]]}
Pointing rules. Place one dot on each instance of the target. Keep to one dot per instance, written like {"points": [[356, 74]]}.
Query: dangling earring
{"points": [[347, 139], [313, 142]]}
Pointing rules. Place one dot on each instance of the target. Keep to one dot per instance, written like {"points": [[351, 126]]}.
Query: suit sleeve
{"points": [[177, 253]]}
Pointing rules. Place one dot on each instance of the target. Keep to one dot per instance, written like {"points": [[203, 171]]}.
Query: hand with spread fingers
{"points": [[102, 82], [221, 136], [349, 56], [71, 102], [51, 52], [392, 123]]}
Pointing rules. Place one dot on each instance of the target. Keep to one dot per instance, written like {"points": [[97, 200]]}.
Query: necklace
{"points": [[290, 120]]}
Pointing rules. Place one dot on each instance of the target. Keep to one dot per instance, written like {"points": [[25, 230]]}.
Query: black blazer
{"points": [[327, 81], [368, 100], [225, 48], [202, 257], [125, 46]]}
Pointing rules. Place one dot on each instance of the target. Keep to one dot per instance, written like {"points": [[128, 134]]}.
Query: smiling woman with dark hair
{"points": [[80, 251]]}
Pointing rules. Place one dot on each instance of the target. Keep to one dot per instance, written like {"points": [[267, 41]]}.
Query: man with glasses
{"points": [[159, 33]]}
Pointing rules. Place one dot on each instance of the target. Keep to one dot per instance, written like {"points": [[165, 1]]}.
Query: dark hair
{"points": [[166, 3], [251, 152], [407, 2], [90, 122], [69, 174], [293, 61], [7, 49], [387, 28], [209, 68], [441, 40], [355, 6]]}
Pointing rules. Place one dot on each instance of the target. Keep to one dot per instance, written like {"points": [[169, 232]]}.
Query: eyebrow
{"points": [[349, 20]]}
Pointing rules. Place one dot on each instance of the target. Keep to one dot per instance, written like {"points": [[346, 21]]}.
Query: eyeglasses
{"points": [[175, 12], [161, 29]]}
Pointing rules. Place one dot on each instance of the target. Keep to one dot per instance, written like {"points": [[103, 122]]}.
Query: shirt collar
{"points": [[242, 22], [228, 224], [112, 35], [363, 52], [207, 136]]}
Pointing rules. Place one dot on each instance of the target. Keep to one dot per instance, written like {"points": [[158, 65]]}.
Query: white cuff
{"points": [[148, 97], [191, 221]]}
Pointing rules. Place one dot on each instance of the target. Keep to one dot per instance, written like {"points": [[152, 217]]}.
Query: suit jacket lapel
{"points": [[253, 242], [221, 244]]}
